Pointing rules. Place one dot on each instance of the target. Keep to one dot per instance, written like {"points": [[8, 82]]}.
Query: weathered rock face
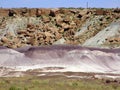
{"points": [[100, 12], [39, 26], [4, 12]]}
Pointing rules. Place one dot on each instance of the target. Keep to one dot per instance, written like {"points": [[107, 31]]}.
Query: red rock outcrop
{"points": [[47, 26]]}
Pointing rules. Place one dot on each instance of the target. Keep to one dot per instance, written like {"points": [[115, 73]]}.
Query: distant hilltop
{"points": [[47, 11]]}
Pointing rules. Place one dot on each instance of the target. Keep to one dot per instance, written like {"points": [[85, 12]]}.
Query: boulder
{"points": [[74, 11], [53, 29], [45, 19], [54, 12], [65, 26], [21, 31], [24, 12], [47, 34], [30, 30], [117, 10], [67, 19], [113, 39], [47, 39], [58, 20], [40, 12], [83, 12], [5, 40], [58, 36], [100, 12], [30, 26], [64, 11], [32, 12], [11, 13], [117, 39], [79, 16], [29, 34], [61, 30]]}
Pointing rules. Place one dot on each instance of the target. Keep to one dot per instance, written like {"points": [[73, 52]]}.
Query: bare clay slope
{"points": [[60, 59], [109, 35]]}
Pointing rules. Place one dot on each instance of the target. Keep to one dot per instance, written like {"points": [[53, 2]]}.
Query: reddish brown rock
{"points": [[12, 13], [64, 25], [28, 34], [67, 19], [61, 30], [33, 41], [47, 34], [4, 12], [21, 32], [54, 24], [32, 12], [100, 12], [53, 29], [5, 40], [30, 26], [58, 36], [47, 39], [54, 12], [58, 18], [24, 12], [30, 30], [45, 19], [79, 16], [64, 11], [83, 12], [40, 12]]}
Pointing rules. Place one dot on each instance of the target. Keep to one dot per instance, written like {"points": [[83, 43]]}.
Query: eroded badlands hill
{"points": [[36, 27], [67, 60]]}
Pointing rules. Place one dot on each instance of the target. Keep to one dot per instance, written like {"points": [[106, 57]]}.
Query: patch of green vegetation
{"points": [[54, 83], [14, 88]]}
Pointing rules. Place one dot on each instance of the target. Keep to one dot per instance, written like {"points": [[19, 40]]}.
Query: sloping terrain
{"points": [[103, 36], [28, 39], [36, 27], [46, 59]]}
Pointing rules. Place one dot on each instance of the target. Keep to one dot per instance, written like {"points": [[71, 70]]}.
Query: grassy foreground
{"points": [[55, 83]]}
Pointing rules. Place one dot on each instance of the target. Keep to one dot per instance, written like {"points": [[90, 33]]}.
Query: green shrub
{"points": [[14, 88]]}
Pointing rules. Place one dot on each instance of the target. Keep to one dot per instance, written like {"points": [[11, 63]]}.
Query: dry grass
{"points": [[53, 83]]}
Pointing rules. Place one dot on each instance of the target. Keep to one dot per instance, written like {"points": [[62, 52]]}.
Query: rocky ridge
{"points": [[36, 27]]}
